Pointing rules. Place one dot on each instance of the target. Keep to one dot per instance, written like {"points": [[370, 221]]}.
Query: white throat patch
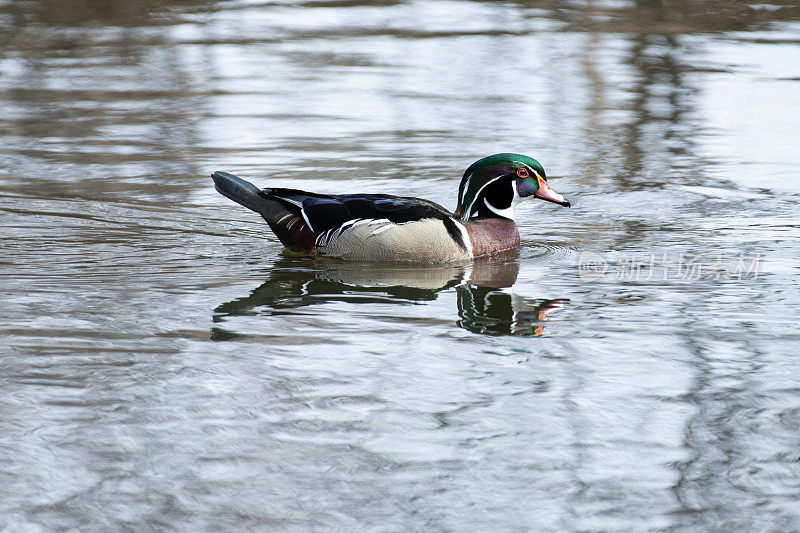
{"points": [[508, 212]]}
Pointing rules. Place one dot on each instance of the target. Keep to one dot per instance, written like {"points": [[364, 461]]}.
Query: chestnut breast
{"points": [[490, 236]]}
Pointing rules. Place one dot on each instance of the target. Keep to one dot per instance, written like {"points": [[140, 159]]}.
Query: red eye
{"points": [[522, 173]]}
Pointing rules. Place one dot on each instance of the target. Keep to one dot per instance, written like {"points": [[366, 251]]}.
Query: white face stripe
{"points": [[529, 168], [466, 186], [477, 195]]}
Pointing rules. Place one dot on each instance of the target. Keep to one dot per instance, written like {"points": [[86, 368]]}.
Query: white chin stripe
{"points": [[508, 212]]}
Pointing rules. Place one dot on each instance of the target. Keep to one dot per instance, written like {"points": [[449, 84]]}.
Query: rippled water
{"points": [[164, 367]]}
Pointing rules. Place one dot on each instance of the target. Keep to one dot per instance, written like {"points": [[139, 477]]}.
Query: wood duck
{"points": [[381, 227]]}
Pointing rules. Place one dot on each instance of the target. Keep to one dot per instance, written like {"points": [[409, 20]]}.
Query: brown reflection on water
{"points": [[83, 12], [485, 298], [661, 103], [660, 17], [95, 111], [660, 112]]}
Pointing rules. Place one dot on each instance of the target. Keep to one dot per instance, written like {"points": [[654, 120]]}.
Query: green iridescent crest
{"points": [[487, 170]]}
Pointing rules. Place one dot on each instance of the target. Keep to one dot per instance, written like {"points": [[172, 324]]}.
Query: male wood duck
{"points": [[381, 227]]}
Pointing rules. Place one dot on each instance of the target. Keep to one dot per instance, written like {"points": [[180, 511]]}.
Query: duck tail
{"points": [[284, 217], [241, 191]]}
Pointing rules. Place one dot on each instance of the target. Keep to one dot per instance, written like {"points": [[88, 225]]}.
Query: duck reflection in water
{"points": [[486, 301]]}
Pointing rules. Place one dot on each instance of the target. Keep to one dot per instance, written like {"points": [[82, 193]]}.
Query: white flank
{"points": [[347, 225], [381, 240], [383, 228]]}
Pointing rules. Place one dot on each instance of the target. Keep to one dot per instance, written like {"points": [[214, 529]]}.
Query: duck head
{"points": [[492, 186]]}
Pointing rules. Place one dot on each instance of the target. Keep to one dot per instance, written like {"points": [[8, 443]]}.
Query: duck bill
{"points": [[546, 193]]}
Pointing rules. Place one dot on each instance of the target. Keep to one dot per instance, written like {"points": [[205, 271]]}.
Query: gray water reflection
{"points": [[353, 397], [486, 301]]}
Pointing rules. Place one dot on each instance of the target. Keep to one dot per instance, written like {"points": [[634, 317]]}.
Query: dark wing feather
{"points": [[329, 212], [325, 213], [397, 209]]}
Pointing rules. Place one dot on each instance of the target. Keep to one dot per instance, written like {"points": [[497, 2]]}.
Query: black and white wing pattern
{"points": [[332, 218]]}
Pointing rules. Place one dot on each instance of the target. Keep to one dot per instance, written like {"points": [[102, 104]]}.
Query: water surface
{"points": [[165, 367]]}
